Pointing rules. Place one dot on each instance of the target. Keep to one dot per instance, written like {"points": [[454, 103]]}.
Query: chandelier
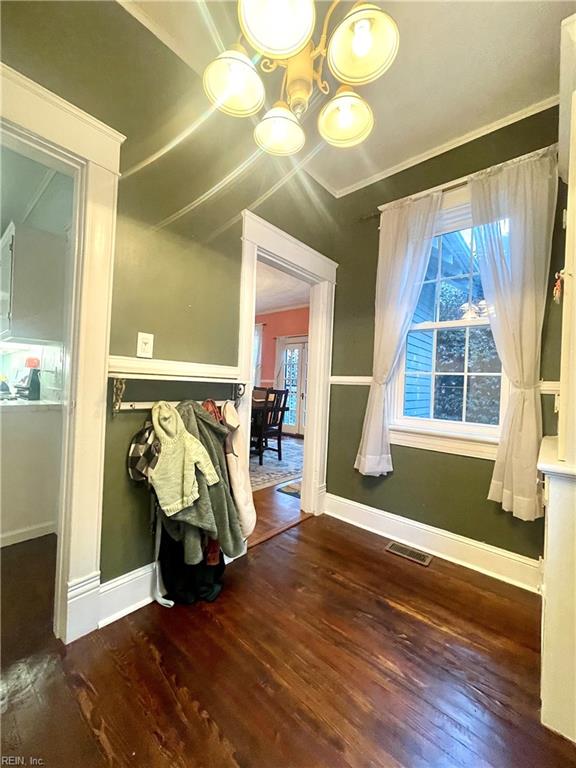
{"points": [[359, 50]]}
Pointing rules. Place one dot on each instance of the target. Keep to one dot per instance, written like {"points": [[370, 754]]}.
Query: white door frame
{"points": [[53, 128], [264, 242]]}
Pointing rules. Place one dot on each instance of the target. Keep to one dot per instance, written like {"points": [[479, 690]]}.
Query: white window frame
{"points": [[464, 439]]}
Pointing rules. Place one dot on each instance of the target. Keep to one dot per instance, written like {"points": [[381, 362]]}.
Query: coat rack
{"points": [[119, 388]]}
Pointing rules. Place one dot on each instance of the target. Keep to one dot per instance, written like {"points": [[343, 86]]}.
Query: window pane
{"points": [[483, 399], [426, 304], [456, 253], [449, 397], [450, 348], [453, 299], [417, 395], [482, 355], [432, 271], [419, 346]]}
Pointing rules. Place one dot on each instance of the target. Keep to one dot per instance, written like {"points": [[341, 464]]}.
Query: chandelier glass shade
{"points": [[279, 132], [346, 120], [277, 28], [363, 46], [233, 84], [360, 49]]}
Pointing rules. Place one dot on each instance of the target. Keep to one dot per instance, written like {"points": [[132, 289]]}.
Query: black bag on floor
{"points": [[185, 584]]}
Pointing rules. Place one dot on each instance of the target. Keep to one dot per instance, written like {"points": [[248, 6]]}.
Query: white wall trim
{"points": [[38, 123], [459, 445], [286, 252], [549, 387], [352, 381], [109, 601], [138, 12], [478, 447], [27, 104], [125, 594], [81, 607], [262, 241], [510, 567], [140, 368], [533, 109], [25, 534]]}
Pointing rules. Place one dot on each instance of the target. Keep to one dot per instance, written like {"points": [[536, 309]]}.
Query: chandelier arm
{"points": [[271, 65], [283, 86], [322, 84], [320, 49]]}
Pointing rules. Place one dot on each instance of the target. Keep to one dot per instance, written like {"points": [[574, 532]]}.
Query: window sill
{"points": [[476, 446]]}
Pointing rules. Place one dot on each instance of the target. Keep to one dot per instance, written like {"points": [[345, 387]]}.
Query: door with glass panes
{"points": [[292, 371]]}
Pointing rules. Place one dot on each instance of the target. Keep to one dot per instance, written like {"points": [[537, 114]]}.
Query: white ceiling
{"points": [[463, 69], [277, 290]]}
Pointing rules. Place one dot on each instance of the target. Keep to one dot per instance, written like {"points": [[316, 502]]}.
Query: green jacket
{"points": [[214, 511]]}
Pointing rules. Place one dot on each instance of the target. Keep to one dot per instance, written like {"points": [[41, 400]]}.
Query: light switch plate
{"points": [[145, 345]]}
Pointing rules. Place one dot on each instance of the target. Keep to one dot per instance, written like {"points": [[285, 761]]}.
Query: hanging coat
{"points": [[212, 435], [238, 469]]}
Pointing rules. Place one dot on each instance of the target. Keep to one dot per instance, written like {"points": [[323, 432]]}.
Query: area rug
{"points": [[274, 472], [292, 489]]}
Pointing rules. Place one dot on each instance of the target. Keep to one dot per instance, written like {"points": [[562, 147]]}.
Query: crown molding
{"points": [[137, 11], [533, 109]]}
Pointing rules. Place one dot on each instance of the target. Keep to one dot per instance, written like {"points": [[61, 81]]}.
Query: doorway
{"points": [[69, 368], [263, 243], [277, 429], [37, 272]]}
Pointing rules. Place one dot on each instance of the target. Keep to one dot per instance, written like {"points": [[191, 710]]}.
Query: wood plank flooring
{"points": [[277, 512], [323, 651]]}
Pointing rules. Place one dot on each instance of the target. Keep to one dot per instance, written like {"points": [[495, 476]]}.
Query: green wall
{"points": [[181, 282], [441, 490]]}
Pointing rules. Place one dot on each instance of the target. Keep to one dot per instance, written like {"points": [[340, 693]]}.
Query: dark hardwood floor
{"points": [[323, 651], [277, 512]]}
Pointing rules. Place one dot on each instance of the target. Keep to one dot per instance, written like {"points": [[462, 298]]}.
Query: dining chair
{"points": [[267, 424]]}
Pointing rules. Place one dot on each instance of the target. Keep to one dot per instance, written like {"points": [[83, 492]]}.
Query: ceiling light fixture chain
{"points": [[359, 50]]}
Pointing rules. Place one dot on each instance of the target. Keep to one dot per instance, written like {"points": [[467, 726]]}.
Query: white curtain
{"points": [[513, 212], [406, 234], [257, 354]]}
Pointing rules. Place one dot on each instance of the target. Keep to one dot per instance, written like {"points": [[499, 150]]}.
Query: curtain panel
{"points": [[406, 235], [513, 209]]}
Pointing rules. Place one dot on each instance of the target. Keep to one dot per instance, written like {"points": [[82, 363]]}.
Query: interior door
{"points": [[292, 376]]}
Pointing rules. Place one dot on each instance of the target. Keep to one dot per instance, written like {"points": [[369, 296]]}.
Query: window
{"points": [[450, 382]]}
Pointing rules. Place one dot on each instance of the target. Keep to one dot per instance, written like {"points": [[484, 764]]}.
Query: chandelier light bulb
{"points": [[233, 85], [236, 79], [279, 132], [363, 46], [346, 120], [362, 40], [345, 116], [277, 29]]}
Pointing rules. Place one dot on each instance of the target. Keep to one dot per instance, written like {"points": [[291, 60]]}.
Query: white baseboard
{"points": [[82, 606], [92, 605], [24, 534], [125, 594], [515, 569]]}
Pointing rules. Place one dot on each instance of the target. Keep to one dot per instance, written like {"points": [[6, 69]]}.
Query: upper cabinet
{"points": [[32, 290]]}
